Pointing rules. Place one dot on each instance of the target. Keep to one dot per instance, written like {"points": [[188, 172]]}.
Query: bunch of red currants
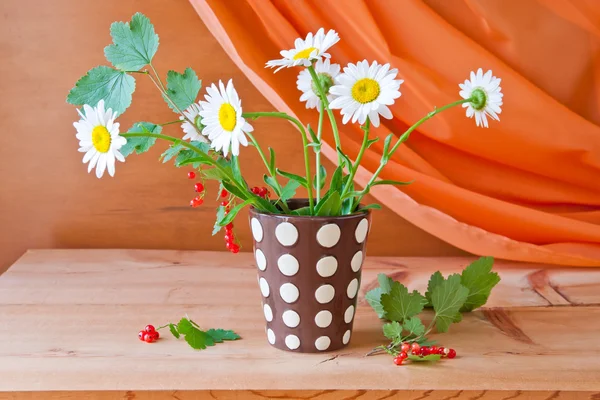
{"points": [[199, 188], [422, 351], [148, 334]]}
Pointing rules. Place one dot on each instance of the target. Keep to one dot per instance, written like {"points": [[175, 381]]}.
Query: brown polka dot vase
{"points": [[309, 272]]}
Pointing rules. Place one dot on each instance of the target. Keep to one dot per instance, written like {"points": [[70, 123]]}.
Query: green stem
{"points": [[254, 115], [323, 96], [158, 77], [318, 152], [271, 172], [171, 122], [403, 138], [366, 127]]}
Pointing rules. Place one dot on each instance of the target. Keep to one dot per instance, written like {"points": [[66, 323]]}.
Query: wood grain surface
{"points": [[47, 198], [70, 320]]}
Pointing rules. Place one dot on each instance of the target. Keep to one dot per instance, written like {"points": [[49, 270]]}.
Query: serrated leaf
{"points": [[182, 88], [426, 342], [447, 299], [392, 330], [198, 339], [435, 279], [184, 326], [220, 215], [140, 144], [173, 330], [373, 296], [134, 43], [289, 190], [219, 335], [480, 280], [430, 357], [385, 282], [414, 326], [103, 83], [171, 152], [400, 305]]}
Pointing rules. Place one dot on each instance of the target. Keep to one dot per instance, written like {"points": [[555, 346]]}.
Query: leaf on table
{"points": [[134, 43], [400, 305], [373, 296], [430, 357], [480, 280], [447, 299], [184, 326], [198, 339], [392, 330], [103, 83], [182, 88], [174, 331], [219, 335], [140, 144]]}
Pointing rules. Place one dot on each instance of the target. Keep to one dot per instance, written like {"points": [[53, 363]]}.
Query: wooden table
{"points": [[69, 321]]}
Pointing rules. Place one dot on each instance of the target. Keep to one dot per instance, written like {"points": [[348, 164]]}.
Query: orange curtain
{"points": [[527, 188]]}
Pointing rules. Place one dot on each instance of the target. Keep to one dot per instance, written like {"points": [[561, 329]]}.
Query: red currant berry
{"points": [[141, 335], [229, 226], [225, 203], [403, 355], [191, 175], [415, 348], [228, 237], [425, 351], [262, 192], [433, 350], [451, 353], [196, 202], [235, 249], [198, 187], [149, 329], [149, 337], [398, 360], [224, 193], [405, 347], [229, 245], [442, 351], [255, 190], [155, 335]]}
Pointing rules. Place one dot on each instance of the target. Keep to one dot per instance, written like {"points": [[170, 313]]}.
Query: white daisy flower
{"points": [[192, 113], [99, 138], [487, 95], [222, 119], [366, 91], [327, 74], [305, 51]]}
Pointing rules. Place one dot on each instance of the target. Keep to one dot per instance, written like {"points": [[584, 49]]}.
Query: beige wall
{"points": [[47, 198]]}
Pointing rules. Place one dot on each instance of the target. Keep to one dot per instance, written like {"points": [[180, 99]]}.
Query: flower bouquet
{"points": [[309, 251]]}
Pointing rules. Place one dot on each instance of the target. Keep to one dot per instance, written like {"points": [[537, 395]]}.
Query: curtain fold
{"points": [[527, 188]]}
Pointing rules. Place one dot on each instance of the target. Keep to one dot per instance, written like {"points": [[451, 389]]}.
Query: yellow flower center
{"points": [[227, 117], [304, 53], [365, 90], [101, 139]]}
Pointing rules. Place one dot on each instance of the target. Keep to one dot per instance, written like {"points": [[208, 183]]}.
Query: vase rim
{"points": [[301, 202]]}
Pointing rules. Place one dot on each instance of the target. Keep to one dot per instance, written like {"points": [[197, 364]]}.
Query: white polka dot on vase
{"points": [[327, 266], [292, 342], [289, 292], [322, 343], [349, 314], [346, 337], [271, 336], [261, 260], [357, 261], [352, 288], [288, 265], [291, 318], [324, 294], [268, 312], [264, 287], [286, 234], [329, 235], [323, 318], [257, 230], [361, 230]]}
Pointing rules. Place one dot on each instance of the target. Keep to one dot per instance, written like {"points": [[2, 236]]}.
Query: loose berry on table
{"points": [[398, 360], [155, 335], [442, 351], [405, 347], [149, 337], [149, 329], [403, 355], [141, 335], [415, 348], [451, 353], [433, 350]]}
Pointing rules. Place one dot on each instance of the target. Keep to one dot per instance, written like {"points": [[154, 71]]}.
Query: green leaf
{"points": [[134, 43], [235, 167], [294, 177], [373, 206], [435, 279], [103, 83], [329, 205], [425, 342], [345, 158], [140, 144], [271, 159], [234, 190], [301, 211], [373, 296], [184, 326], [219, 335], [182, 88], [430, 357], [347, 206], [322, 178], [173, 330], [233, 212], [414, 326], [390, 182], [289, 190], [392, 330], [272, 182], [313, 136], [399, 305], [480, 280], [336, 180], [370, 142], [220, 215], [171, 152], [386, 144], [198, 339], [447, 299]]}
